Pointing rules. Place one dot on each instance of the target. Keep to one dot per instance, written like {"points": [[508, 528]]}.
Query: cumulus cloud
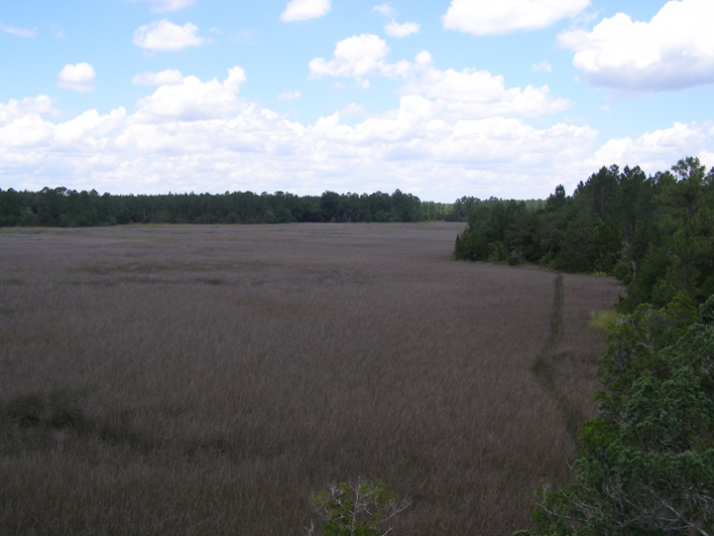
{"points": [[166, 77], [30, 131], [297, 10], [19, 32], [356, 56], [405, 29], [160, 6], [452, 132], [484, 17], [410, 147], [471, 93], [88, 127], [675, 50], [289, 95], [191, 100], [657, 150], [468, 93], [393, 28], [165, 35], [29, 106], [79, 77]]}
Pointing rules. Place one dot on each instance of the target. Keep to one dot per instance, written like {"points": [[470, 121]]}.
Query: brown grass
{"points": [[209, 380]]}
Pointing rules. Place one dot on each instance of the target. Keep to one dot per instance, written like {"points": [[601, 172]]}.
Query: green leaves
{"points": [[646, 464], [359, 509]]}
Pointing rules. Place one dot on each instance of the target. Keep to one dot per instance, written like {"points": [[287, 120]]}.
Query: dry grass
{"points": [[209, 380]]}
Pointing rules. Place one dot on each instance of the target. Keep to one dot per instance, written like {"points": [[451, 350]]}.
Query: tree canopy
{"points": [[646, 463], [60, 207], [656, 233]]}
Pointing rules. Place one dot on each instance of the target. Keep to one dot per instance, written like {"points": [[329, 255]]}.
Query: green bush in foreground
{"points": [[646, 464], [356, 510]]}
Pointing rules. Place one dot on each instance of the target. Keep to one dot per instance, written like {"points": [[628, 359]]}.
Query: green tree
{"points": [[646, 465], [361, 509], [607, 246]]}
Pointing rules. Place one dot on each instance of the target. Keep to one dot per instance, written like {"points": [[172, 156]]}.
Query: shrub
{"points": [[360, 509]]}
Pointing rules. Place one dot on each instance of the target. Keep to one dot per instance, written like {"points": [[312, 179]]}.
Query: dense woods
{"points": [[60, 207], [656, 233], [646, 462]]}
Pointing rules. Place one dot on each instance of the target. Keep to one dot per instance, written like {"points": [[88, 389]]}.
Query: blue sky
{"points": [[439, 99]]}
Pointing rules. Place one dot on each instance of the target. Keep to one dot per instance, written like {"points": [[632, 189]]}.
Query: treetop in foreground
{"points": [[646, 463]]}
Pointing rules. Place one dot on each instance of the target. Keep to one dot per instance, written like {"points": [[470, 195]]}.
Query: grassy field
{"points": [[207, 380]]}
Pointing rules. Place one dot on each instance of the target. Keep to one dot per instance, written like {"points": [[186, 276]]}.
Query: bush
{"points": [[646, 465], [360, 509]]}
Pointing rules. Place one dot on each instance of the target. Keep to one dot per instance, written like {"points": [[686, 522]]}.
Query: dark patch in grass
{"points": [[61, 412], [545, 369], [25, 411]]}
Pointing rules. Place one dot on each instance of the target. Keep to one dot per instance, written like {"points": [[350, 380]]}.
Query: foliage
{"points": [[359, 509], [603, 320], [646, 463], [60, 207], [655, 234]]}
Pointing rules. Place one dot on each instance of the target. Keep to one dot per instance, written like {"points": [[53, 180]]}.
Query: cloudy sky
{"points": [[440, 99]]}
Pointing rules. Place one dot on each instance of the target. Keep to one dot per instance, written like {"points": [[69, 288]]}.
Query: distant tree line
{"points": [[655, 233], [60, 207]]}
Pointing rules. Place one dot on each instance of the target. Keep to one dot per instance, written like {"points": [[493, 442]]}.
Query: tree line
{"points": [[655, 233], [61, 207], [645, 465]]}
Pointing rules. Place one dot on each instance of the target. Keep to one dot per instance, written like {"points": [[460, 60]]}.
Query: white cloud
{"points": [[353, 109], [29, 106], [88, 127], [79, 77], [19, 32], [542, 66], [357, 57], [467, 94], [289, 95], [673, 51], [394, 29], [160, 6], [472, 94], [484, 17], [657, 150], [252, 149], [166, 77], [165, 35], [452, 133], [191, 100], [385, 10], [297, 10]]}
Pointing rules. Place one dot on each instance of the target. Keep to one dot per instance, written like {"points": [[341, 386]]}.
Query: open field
{"points": [[207, 380]]}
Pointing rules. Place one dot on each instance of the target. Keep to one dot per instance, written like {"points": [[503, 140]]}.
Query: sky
{"points": [[440, 99]]}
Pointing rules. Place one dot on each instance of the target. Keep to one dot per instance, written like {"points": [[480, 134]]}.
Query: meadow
{"points": [[208, 380]]}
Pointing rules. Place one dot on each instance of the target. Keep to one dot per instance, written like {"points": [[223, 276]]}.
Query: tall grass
{"points": [[209, 380]]}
